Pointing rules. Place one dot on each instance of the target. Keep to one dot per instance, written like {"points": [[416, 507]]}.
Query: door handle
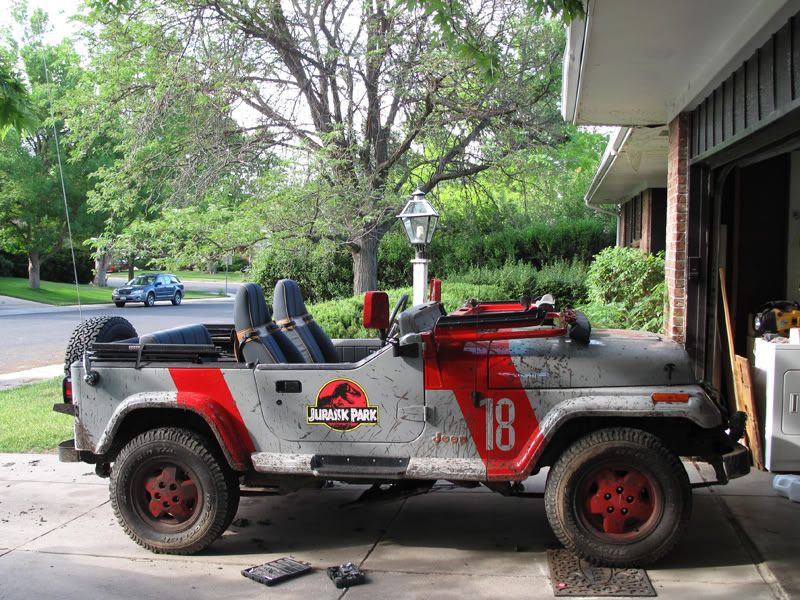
{"points": [[288, 387], [794, 401]]}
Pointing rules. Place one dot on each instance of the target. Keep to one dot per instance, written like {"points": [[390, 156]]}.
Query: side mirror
{"points": [[376, 310]]}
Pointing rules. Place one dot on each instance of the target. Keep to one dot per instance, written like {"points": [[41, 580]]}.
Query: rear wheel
{"points": [[618, 497], [150, 300], [176, 299], [171, 493], [96, 329]]}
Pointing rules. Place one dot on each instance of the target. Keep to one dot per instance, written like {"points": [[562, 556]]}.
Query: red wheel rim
{"points": [[619, 503], [168, 495]]}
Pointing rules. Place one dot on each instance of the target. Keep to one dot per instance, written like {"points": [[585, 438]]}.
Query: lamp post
{"points": [[419, 220]]}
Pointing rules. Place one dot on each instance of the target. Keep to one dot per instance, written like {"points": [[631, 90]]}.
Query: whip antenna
{"points": [[63, 187]]}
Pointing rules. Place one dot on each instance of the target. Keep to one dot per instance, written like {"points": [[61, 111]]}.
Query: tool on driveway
{"points": [[276, 571], [346, 575]]}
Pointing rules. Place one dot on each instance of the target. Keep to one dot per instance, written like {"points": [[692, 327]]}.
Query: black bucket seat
{"points": [[260, 339], [299, 326]]}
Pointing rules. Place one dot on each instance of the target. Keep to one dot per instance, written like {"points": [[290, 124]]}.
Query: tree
{"points": [[360, 98], [15, 105], [31, 201]]}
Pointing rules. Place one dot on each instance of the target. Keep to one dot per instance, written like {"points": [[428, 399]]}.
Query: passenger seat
{"points": [[261, 341], [299, 326]]}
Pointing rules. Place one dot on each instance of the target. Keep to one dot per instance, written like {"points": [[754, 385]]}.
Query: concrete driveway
{"points": [[59, 539]]}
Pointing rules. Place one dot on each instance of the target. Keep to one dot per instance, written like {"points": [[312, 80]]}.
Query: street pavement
{"points": [[59, 539], [36, 335]]}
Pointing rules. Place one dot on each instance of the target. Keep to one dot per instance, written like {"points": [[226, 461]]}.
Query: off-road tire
{"points": [[150, 299], [176, 299], [217, 491], [641, 452], [96, 329], [119, 304]]}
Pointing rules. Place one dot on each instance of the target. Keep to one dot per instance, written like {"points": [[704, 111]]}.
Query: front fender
{"points": [[699, 409]]}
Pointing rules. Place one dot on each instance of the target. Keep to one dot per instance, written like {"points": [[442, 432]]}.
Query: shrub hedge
{"points": [[508, 257], [566, 281], [342, 318], [626, 290]]}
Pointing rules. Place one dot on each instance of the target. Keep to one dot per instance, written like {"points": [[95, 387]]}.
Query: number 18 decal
{"points": [[499, 424]]}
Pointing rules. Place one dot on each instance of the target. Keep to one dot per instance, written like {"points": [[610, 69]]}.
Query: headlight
{"points": [[116, 291]]}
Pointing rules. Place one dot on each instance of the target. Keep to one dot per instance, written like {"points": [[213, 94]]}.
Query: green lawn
{"points": [[233, 276], [62, 294], [27, 420]]}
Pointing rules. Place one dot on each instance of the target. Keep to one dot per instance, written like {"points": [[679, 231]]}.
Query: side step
{"points": [[358, 466]]}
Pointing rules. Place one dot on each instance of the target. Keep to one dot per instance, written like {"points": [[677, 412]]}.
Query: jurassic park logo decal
{"points": [[342, 405]]}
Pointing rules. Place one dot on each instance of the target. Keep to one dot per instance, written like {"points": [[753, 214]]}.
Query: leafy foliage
{"points": [[15, 104], [363, 114], [449, 19], [321, 269], [343, 318], [566, 281], [626, 290], [31, 199]]}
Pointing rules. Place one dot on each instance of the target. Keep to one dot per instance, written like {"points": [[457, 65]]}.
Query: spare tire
{"points": [[96, 329]]}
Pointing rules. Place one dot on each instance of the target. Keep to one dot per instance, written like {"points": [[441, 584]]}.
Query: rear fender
{"points": [[228, 431]]}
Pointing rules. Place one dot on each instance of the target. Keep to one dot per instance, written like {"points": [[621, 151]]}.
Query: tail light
{"points": [[66, 390]]}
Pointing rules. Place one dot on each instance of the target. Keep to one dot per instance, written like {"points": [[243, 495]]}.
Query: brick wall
{"points": [[677, 212]]}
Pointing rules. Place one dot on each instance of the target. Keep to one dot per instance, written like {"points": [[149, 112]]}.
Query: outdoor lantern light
{"points": [[419, 220]]}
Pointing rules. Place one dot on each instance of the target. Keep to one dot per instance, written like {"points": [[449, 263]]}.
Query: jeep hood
{"points": [[613, 358]]}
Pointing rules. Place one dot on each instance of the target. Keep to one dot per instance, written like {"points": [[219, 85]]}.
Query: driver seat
{"points": [[299, 326]]}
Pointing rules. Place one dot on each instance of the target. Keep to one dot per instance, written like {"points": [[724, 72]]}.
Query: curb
{"points": [[12, 380]]}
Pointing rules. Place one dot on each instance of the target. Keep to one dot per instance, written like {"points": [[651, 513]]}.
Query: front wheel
{"points": [[176, 299], [618, 497], [150, 300], [170, 493]]}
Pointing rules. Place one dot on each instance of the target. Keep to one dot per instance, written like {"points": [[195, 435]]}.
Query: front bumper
{"points": [[736, 462]]}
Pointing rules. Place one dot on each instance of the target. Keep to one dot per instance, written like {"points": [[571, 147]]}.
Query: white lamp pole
{"points": [[420, 268], [419, 221]]}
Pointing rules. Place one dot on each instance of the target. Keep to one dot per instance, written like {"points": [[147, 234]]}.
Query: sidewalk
{"points": [[60, 540]]}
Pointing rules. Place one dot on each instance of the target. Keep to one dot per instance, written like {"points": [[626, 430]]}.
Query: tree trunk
{"points": [[365, 264], [131, 260], [34, 265], [101, 269], [211, 266]]}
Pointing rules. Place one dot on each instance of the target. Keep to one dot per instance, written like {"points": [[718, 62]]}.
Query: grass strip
{"points": [[63, 294], [27, 420]]}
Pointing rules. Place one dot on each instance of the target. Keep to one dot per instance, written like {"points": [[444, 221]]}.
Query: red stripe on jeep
{"points": [[207, 392], [463, 368]]}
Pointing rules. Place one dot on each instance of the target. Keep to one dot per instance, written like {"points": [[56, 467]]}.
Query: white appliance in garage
{"points": [[777, 389]]}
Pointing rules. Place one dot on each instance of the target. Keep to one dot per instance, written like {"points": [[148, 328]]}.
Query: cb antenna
{"points": [[61, 174]]}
